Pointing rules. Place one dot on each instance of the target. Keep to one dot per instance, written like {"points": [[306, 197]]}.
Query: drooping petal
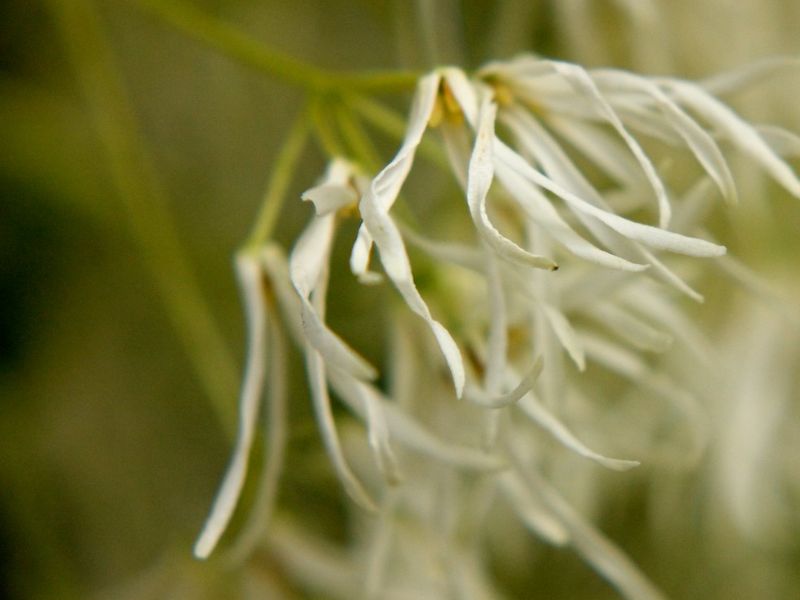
{"points": [[630, 328], [386, 186], [545, 419], [397, 266], [306, 265], [696, 138], [481, 173], [408, 431], [276, 434], [539, 209], [327, 427], [599, 146], [249, 275], [530, 509], [591, 544], [489, 400], [369, 405], [583, 83], [646, 234], [736, 130], [565, 334]]}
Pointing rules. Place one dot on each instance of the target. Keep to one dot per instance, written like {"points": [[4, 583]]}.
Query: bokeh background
{"points": [[132, 163]]}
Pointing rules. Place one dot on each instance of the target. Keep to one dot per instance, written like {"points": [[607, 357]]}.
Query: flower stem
{"points": [[228, 40], [145, 202], [279, 181], [326, 135]]}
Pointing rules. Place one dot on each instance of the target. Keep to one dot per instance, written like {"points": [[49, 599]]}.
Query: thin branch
{"points": [[232, 42], [279, 181]]}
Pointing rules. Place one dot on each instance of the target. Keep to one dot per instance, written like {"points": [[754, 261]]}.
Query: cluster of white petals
{"points": [[569, 268]]}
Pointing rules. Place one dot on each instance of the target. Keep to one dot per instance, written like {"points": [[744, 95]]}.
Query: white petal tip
{"points": [[369, 278], [617, 464], [203, 548]]}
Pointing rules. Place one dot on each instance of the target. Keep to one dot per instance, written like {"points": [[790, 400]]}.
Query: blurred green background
{"points": [[132, 163]]}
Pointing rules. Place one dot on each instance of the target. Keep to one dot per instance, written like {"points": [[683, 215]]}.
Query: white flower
{"points": [[514, 399]]}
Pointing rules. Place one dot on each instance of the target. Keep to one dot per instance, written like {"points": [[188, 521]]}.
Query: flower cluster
{"points": [[560, 171]]}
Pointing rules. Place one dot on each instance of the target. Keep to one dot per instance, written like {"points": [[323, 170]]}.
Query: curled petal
{"points": [[481, 173], [486, 400], [545, 419]]}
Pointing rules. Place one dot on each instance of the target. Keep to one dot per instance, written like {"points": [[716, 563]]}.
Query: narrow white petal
{"points": [[368, 404], [698, 140], [784, 143], [696, 206], [583, 83], [378, 435], [591, 544], [310, 254], [497, 342], [328, 197], [464, 93], [273, 260], [539, 209], [327, 427], [379, 549], [735, 129], [462, 255], [481, 173], [744, 77], [384, 188], [630, 328], [397, 266], [408, 431], [646, 234], [359, 258], [489, 400], [565, 334], [663, 272], [600, 147], [249, 275], [374, 207], [628, 364], [307, 264], [530, 509], [652, 304], [615, 358], [276, 436], [545, 419]]}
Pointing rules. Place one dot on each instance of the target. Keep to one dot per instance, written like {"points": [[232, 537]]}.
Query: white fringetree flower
{"points": [[561, 270]]}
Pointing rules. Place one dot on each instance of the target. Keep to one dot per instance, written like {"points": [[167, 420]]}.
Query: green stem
{"points": [[357, 138], [279, 181], [326, 135], [228, 40], [145, 202]]}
